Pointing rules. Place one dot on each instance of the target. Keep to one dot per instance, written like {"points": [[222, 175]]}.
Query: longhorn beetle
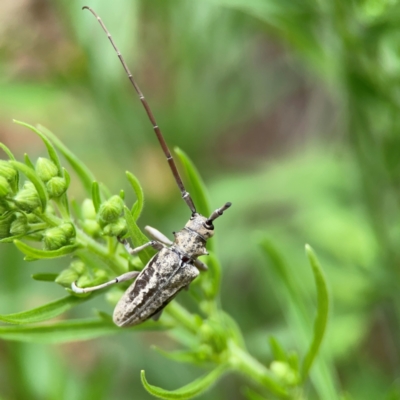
{"points": [[175, 265]]}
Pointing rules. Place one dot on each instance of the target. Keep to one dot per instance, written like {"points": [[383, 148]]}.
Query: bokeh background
{"points": [[290, 110]]}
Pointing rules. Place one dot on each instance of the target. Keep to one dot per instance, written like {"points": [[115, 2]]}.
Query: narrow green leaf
{"points": [[33, 253], [12, 238], [198, 189], [69, 331], [50, 148], [78, 166], [96, 197], [7, 151], [137, 237], [37, 182], [43, 277], [67, 176], [212, 279], [43, 313], [321, 318], [182, 356], [189, 391], [28, 162], [277, 350], [138, 205]]}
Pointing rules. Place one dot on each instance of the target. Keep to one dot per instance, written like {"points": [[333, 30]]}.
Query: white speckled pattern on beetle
{"points": [[168, 272]]}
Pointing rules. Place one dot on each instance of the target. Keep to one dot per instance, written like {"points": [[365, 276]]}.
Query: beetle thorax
{"points": [[192, 238]]}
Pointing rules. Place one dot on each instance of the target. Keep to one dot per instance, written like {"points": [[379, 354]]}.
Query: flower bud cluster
{"points": [[27, 199], [81, 274], [8, 179], [109, 217], [71, 274], [49, 174], [13, 222], [89, 223], [59, 236]]}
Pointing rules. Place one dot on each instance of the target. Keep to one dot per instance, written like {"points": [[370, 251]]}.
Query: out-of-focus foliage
{"points": [[290, 111]]}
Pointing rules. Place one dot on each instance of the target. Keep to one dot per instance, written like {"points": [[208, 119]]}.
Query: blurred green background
{"points": [[290, 110]]}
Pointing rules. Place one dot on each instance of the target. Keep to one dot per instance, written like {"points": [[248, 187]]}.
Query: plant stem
{"points": [[243, 362], [181, 316]]}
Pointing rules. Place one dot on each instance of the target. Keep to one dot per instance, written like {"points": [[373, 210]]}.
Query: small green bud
{"points": [[56, 187], [118, 228], [5, 224], [9, 172], [5, 188], [45, 169], [87, 209], [27, 198], [84, 281], [91, 227], [71, 274], [78, 266], [55, 238], [100, 275], [33, 219], [284, 372], [68, 229], [66, 277], [206, 332], [111, 209], [204, 352], [19, 226]]}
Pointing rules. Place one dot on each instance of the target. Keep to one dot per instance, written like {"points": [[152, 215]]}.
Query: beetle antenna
{"points": [[185, 195], [217, 213]]}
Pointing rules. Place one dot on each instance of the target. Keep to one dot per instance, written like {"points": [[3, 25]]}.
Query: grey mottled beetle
{"points": [[175, 265]]}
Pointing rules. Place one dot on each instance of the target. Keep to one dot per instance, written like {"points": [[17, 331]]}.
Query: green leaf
{"points": [[43, 277], [78, 166], [12, 238], [321, 319], [37, 182], [182, 356], [277, 350], [198, 189], [63, 200], [189, 391], [7, 151], [43, 313], [66, 176], [34, 254], [96, 197], [69, 331], [137, 237], [212, 277], [28, 161], [138, 205], [50, 148], [288, 290]]}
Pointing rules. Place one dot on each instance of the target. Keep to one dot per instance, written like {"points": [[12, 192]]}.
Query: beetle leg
{"points": [[157, 235], [200, 265], [124, 277], [153, 243], [157, 315]]}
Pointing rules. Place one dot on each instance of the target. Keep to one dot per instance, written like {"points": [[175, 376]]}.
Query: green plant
{"points": [[39, 210]]}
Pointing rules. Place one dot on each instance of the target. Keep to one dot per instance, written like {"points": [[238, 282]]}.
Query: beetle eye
{"points": [[208, 225]]}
